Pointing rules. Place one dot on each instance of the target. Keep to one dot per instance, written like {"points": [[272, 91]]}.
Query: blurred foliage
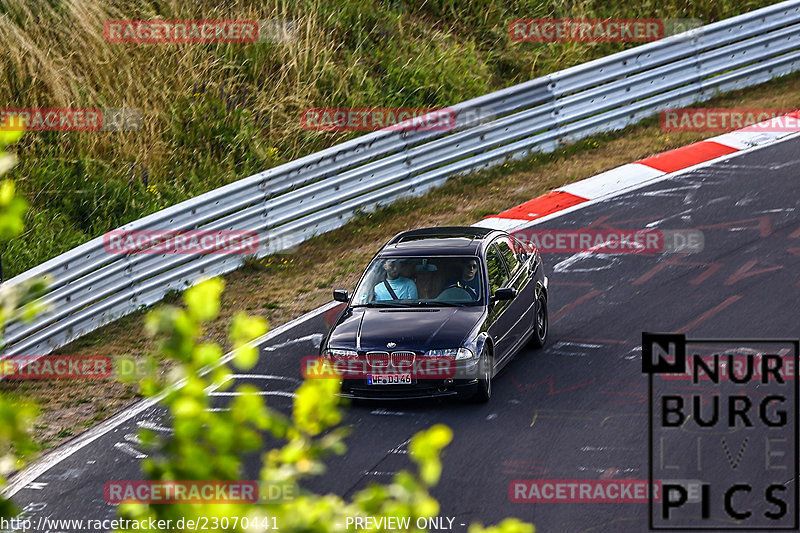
{"points": [[16, 414], [211, 444]]}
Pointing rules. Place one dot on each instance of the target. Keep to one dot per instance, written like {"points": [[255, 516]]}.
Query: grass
{"points": [[64, 433], [215, 113]]}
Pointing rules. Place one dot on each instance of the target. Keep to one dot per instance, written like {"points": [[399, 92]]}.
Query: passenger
{"points": [[469, 280], [395, 287]]}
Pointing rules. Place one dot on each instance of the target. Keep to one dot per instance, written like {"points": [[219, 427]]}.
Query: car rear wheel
{"points": [[540, 323], [484, 391]]}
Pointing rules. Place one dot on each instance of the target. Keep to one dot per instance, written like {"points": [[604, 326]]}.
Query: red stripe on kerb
{"points": [[687, 156], [543, 205]]}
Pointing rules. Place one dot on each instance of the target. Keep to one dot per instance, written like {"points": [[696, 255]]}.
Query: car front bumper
{"points": [[462, 380], [359, 389]]}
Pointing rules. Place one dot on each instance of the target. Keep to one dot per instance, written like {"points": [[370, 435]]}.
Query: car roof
{"points": [[443, 240]]}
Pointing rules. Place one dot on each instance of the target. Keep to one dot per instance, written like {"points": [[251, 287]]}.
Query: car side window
{"points": [[512, 261], [522, 249], [498, 275]]}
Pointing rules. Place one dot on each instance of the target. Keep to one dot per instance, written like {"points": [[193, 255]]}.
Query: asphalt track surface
{"points": [[576, 409]]}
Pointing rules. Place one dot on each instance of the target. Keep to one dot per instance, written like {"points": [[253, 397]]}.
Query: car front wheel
{"points": [[484, 391], [540, 323]]}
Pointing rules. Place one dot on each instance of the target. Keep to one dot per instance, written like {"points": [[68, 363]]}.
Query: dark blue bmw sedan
{"points": [[439, 311]]}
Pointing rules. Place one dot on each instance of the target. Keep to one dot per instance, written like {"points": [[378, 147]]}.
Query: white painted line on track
{"points": [[257, 393], [385, 412], [401, 448], [266, 376], [152, 426], [126, 448], [133, 437], [315, 338]]}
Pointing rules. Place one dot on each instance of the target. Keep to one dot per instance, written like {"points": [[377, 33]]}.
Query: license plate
{"points": [[389, 379]]}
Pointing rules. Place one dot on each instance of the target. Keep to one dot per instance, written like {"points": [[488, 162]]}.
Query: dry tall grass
{"points": [[63, 60]]}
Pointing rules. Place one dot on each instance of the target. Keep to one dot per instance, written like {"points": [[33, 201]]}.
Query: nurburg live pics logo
{"points": [[723, 441]]}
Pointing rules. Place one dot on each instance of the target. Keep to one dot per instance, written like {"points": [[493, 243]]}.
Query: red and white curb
{"points": [[634, 175]]}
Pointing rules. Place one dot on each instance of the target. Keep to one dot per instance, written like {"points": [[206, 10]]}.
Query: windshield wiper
{"points": [[383, 304], [437, 303]]}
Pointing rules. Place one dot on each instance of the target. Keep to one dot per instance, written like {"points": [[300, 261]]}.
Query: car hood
{"points": [[411, 329]]}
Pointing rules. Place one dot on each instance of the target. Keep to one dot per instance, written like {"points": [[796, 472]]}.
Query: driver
{"points": [[469, 280], [395, 287]]}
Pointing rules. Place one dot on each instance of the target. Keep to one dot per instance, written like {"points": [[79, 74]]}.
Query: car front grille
{"points": [[378, 359], [404, 359], [394, 359]]}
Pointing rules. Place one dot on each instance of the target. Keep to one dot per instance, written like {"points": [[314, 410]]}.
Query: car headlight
{"points": [[456, 353], [336, 352]]}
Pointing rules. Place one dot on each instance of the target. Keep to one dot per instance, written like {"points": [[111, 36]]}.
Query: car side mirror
{"points": [[341, 296], [505, 293]]}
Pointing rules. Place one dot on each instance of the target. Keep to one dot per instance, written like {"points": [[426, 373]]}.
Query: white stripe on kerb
{"points": [[612, 181]]}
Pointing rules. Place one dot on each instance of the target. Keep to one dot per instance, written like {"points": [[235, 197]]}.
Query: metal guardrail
{"points": [[288, 204]]}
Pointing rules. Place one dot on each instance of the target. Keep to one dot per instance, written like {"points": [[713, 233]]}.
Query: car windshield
{"points": [[420, 281]]}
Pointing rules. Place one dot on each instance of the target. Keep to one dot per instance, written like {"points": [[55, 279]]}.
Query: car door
{"points": [[521, 310], [500, 322]]}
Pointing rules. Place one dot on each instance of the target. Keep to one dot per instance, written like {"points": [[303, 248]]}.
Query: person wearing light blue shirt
{"points": [[403, 288]]}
